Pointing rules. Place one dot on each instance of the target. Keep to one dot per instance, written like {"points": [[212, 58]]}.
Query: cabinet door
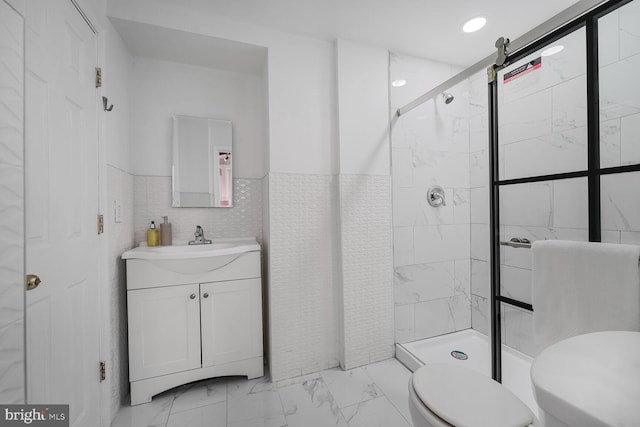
{"points": [[231, 314], [164, 330]]}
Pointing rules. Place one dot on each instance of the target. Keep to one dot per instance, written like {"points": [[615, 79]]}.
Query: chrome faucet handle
{"points": [[199, 237]]}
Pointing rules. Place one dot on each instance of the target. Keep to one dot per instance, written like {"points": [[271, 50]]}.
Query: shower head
{"points": [[447, 97]]}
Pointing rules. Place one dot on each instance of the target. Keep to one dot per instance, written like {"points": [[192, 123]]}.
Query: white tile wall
{"points": [[521, 120], [432, 271], [616, 99], [12, 385], [402, 246], [442, 316], [629, 29], [441, 243], [153, 201], [424, 282], [303, 291], [620, 202], [479, 183], [480, 314], [366, 269]]}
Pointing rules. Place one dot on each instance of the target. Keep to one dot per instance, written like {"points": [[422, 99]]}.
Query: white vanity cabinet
{"points": [[230, 316], [164, 331], [192, 318]]}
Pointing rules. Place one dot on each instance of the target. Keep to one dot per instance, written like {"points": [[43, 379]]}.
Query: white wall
{"points": [[118, 180], [301, 77], [117, 85], [303, 152], [366, 267], [161, 89]]}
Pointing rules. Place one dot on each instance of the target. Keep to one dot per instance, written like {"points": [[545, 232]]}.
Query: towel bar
{"points": [[517, 243]]}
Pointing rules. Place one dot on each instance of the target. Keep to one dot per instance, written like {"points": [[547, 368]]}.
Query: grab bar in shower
{"points": [[517, 243]]}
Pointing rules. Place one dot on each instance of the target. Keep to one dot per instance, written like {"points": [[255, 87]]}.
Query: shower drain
{"points": [[460, 355]]}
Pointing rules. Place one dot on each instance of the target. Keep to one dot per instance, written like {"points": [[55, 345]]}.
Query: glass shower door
{"points": [[540, 184]]}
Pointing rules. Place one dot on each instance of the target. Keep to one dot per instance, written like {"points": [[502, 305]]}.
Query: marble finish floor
{"points": [[371, 396]]}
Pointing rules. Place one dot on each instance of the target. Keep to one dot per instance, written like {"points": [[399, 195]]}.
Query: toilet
{"points": [[584, 377], [590, 380], [445, 395]]}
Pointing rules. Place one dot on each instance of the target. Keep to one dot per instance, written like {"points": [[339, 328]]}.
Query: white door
{"points": [[231, 314], [61, 210], [164, 330]]}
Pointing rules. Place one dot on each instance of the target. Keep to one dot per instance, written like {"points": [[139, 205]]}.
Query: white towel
{"points": [[582, 287]]}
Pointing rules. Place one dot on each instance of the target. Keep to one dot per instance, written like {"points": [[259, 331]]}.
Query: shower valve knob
{"points": [[435, 196]]}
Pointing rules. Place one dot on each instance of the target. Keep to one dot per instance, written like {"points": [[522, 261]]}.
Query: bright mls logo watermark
{"points": [[34, 415]]}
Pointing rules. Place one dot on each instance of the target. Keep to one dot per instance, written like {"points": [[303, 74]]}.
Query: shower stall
{"points": [[546, 146]]}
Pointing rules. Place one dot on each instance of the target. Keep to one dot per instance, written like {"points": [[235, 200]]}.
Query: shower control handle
{"points": [[436, 196]]}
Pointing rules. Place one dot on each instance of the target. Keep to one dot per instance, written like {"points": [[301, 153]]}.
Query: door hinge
{"points": [[98, 77], [103, 371], [100, 224]]}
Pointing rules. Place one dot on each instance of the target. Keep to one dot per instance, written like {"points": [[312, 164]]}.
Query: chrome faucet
{"points": [[199, 240]]}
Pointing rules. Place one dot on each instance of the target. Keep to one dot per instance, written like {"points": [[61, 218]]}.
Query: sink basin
{"points": [[219, 247]]}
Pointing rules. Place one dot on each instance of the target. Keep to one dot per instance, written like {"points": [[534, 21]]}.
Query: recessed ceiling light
{"points": [[398, 83], [473, 25], [552, 50]]}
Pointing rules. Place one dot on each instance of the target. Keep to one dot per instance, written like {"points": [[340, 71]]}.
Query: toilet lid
{"points": [[591, 379], [466, 398]]}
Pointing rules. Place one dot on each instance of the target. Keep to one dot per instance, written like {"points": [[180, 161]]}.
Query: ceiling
{"points": [[151, 41], [425, 28]]}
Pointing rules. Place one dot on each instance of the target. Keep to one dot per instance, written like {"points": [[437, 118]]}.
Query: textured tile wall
{"points": [[152, 201], [303, 292], [367, 269], [119, 187], [12, 386]]}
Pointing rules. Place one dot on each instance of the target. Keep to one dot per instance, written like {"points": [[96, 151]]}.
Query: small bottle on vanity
{"points": [[165, 232], [153, 235]]}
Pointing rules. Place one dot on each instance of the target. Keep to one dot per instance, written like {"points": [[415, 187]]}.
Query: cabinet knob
{"points": [[206, 295], [192, 296]]}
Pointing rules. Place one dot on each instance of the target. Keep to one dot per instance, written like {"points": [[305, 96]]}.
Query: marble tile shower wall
{"points": [[619, 40], [152, 201], [430, 146], [479, 200], [12, 387]]}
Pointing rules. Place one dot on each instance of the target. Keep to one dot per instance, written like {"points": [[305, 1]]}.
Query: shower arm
{"points": [[569, 14]]}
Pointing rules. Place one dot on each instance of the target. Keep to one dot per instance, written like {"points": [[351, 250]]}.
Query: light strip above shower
{"points": [[569, 14]]}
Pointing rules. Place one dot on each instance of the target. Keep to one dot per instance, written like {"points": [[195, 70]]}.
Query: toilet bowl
{"points": [[590, 380], [446, 395]]}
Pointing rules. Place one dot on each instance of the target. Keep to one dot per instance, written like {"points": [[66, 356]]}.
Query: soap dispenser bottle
{"points": [[153, 235], [165, 232]]}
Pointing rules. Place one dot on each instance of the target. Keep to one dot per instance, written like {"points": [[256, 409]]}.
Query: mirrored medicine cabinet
{"points": [[202, 163]]}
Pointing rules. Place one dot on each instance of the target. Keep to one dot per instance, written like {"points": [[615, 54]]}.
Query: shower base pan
{"points": [[452, 348]]}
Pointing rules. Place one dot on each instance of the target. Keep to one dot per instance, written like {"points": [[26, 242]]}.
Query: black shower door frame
{"points": [[593, 172]]}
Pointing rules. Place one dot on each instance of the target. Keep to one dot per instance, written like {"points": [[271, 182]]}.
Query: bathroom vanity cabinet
{"points": [[192, 318]]}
